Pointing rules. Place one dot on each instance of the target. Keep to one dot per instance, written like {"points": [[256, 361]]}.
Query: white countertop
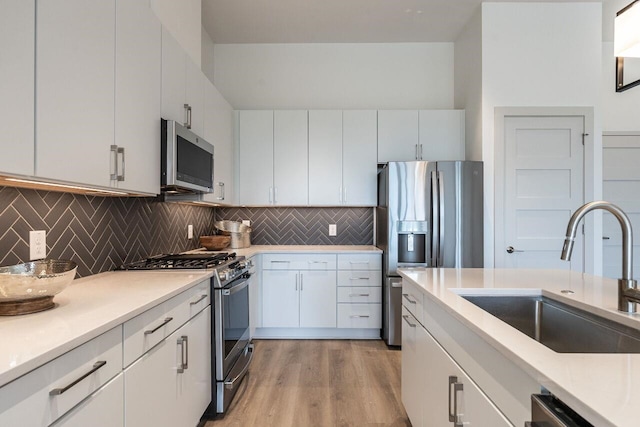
{"points": [[87, 308], [260, 249], [603, 388]]}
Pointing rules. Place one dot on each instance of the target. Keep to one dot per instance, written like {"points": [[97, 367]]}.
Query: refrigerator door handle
{"points": [[435, 220], [441, 219]]}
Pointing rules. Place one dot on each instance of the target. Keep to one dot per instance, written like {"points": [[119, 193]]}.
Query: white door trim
{"points": [[592, 177]]}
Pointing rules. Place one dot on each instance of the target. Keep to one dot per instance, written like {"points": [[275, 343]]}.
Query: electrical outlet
{"points": [[246, 222], [333, 231], [37, 244], [189, 231]]}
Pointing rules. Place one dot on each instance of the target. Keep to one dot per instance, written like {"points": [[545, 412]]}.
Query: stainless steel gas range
{"points": [[231, 349]]}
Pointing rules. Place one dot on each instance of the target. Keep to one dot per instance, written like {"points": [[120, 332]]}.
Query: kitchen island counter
{"points": [[603, 388]]}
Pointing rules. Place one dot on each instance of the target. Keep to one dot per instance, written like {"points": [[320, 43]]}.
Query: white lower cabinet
{"points": [[436, 392], [171, 384], [104, 408], [305, 299]]}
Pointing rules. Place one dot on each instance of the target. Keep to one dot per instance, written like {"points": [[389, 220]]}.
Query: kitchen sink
{"points": [[560, 327]]}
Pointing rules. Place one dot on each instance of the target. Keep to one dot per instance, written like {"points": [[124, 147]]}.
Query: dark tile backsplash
{"points": [[99, 233], [304, 226]]}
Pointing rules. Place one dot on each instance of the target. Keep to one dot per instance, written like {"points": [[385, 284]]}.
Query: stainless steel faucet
{"points": [[628, 294]]}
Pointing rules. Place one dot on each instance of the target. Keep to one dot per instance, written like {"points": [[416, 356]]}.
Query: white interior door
{"points": [[543, 170], [621, 186]]}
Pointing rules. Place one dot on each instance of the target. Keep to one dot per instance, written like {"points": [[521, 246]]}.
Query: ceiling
{"points": [[338, 21]]}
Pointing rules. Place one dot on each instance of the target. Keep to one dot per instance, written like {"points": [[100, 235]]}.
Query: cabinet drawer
{"points": [[299, 261], [360, 294], [360, 278], [365, 316], [45, 394], [360, 261], [104, 408], [146, 330], [412, 299]]}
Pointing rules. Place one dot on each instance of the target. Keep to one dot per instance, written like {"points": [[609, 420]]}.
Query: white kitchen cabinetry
{"points": [[273, 158], [360, 291], [137, 98], [43, 395], [359, 166], [104, 408], [218, 130], [97, 83], [299, 291], [442, 134], [405, 135], [290, 158], [255, 136], [325, 157], [182, 86], [447, 386], [342, 159], [75, 77], [397, 135], [435, 389], [170, 384], [17, 41]]}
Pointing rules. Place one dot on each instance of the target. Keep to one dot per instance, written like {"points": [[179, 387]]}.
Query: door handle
{"points": [[511, 249]]}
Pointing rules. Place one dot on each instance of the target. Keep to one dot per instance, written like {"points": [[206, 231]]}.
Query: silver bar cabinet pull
{"points": [[204, 296], [360, 316], [406, 296], [183, 342], [151, 331], [358, 295], [187, 110], [57, 391], [121, 175], [114, 154], [406, 319], [453, 415]]}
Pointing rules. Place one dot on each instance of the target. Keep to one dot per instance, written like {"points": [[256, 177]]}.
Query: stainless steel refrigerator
{"points": [[429, 214]]}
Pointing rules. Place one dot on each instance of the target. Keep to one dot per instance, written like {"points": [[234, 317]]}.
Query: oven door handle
{"points": [[230, 383], [236, 288]]}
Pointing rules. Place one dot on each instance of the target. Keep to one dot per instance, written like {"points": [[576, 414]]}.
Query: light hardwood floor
{"points": [[319, 383]]}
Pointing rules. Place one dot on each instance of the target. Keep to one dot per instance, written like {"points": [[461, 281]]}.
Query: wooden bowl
{"points": [[215, 243]]}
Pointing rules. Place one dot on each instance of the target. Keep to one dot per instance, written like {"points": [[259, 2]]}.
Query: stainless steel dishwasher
{"points": [[549, 411]]}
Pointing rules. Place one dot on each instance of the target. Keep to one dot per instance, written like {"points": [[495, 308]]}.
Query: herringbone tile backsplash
{"points": [[304, 226], [98, 233]]}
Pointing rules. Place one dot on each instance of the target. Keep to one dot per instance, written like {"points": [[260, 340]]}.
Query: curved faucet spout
{"points": [[627, 292]]}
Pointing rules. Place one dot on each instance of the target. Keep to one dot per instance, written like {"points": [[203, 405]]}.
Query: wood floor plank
{"points": [[319, 383]]}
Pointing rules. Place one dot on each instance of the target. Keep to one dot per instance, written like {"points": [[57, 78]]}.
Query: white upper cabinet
{"points": [[75, 90], [342, 157], [182, 86], [405, 135], [325, 157], [290, 158], [255, 136], [17, 40], [218, 130], [137, 94], [359, 166], [397, 135], [442, 134]]}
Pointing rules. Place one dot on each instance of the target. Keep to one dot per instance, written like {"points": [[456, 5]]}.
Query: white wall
{"points": [[468, 83], [345, 76], [183, 19], [543, 55], [207, 55]]}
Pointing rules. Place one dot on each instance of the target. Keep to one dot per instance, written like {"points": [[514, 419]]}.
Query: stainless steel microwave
{"points": [[187, 160]]}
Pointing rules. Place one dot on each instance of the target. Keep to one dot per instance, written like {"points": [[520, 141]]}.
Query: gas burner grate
{"points": [[180, 261]]}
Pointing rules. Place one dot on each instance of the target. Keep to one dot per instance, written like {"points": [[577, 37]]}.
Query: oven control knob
{"points": [[223, 275]]}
